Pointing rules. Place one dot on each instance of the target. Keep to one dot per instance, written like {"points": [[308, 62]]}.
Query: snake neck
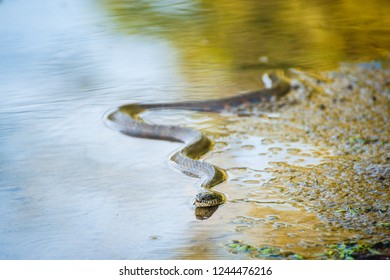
{"points": [[128, 121]]}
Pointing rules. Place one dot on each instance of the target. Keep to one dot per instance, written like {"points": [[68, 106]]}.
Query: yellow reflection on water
{"points": [[237, 35]]}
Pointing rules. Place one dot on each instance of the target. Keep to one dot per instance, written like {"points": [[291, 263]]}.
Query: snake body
{"points": [[127, 119]]}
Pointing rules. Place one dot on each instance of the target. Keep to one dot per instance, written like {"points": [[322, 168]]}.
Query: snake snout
{"points": [[208, 199]]}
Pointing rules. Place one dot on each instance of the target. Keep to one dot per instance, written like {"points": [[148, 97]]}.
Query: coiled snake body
{"points": [[127, 120]]}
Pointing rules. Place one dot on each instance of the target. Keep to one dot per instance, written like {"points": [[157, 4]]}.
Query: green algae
{"points": [[350, 250], [262, 252]]}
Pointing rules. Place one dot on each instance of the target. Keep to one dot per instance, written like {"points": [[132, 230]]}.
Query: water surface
{"points": [[70, 188]]}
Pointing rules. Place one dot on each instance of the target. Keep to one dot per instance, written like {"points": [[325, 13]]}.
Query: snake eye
{"points": [[208, 196]]}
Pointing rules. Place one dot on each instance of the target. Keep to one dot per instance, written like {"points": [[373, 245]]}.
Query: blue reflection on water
{"points": [[69, 186]]}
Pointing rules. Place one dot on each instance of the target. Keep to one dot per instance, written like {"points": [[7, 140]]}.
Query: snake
{"points": [[128, 120]]}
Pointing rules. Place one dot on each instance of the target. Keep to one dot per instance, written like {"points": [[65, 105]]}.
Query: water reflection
{"points": [[72, 188], [252, 34]]}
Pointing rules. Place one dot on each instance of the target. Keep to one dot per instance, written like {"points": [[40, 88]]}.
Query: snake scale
{"points": [[127, 119]]}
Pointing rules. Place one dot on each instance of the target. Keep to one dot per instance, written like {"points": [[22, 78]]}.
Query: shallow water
{"points": [[71, 188]]}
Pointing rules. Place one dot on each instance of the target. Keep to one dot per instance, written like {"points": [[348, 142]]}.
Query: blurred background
{"points": [[72, 188]]}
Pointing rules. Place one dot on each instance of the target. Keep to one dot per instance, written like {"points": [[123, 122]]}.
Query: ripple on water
{"points": [[267, 141], [293, 151], [251, 182], [275, 150], [248, 147]]}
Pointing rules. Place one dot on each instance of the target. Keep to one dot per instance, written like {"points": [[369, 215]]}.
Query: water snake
{"points": [[127, 119]]}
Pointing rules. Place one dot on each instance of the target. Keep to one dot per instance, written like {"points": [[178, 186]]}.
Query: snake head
{"points": [[209, 199]]}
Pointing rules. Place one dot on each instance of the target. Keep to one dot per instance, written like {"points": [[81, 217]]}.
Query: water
{"points": [[70, 188]]}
